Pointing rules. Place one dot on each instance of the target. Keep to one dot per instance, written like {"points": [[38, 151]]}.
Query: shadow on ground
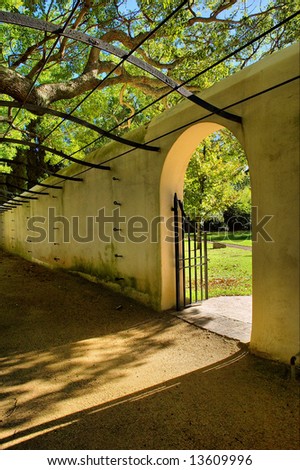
{"points": [[85, 368]]}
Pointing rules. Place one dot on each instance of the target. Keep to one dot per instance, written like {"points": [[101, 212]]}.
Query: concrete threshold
{"points": [[227, 316]]}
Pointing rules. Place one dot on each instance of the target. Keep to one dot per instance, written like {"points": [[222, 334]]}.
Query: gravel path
{"points": [[85, 368], [235, 245], [241, 247]]}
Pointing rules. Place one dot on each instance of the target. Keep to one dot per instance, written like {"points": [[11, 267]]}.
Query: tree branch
{"points": [[157, 63], [213, 18], [25, 56], [78, 21], [127, 105], [9, 120], [63, 43], [117, 35], [87, 81], [17, 86], [225, 5]]}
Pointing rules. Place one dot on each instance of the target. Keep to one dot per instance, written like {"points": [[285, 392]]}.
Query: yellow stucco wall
{"points": [[145, 187]]}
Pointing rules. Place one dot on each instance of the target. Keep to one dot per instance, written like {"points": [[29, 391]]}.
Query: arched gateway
{"points": [[117, 225]]}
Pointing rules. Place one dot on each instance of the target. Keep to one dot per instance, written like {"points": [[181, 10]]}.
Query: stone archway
{"points": [[173, 177], [270, 138]]}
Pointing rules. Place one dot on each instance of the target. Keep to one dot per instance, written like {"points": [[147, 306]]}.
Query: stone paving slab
{"points": [[226, 316]]}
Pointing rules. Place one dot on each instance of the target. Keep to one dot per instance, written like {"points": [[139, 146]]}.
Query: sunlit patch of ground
{"points": [[85, 368]]}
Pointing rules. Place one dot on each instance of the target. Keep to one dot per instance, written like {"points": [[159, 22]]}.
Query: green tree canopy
{"points": [[202, 32], [217, 178]]}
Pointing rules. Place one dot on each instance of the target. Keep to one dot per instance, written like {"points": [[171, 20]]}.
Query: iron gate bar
{"points": [[55, 152], [187, 262], [177, 265], [189, 257], [195, 260], [206, 264], [201, 258], [183, 252], [33, 23], [69, 117]]}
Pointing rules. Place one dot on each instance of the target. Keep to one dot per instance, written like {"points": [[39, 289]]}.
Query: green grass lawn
{"points": [[229, 272], [229, 269], [237, 238]]}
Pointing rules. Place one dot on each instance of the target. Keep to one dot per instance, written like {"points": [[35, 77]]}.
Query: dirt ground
{"points": [[86, 368]]}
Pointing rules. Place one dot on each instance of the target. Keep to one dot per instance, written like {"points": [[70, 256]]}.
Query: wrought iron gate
{"points": [[190, 257]]}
